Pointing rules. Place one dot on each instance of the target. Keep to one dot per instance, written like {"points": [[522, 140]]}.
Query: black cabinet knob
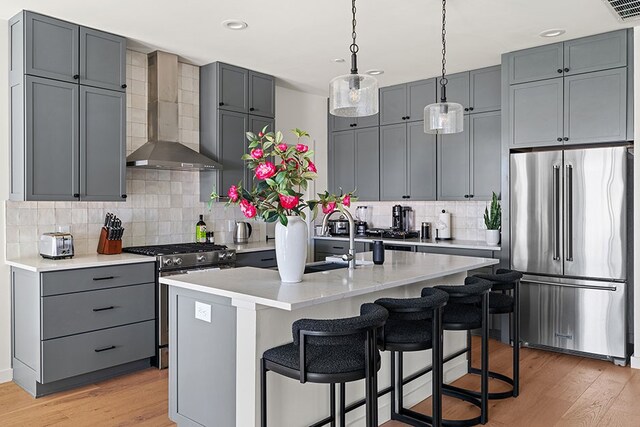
{"points": [[355, 124], [466, 196], [408, 117], [221, 103], [123, 86], [124, 196], [351, 125], [466, 109], [566, 70], [76, 76], [559, 70], [470, 108], [252, 109], [559, 139], [76, 195], [404, 118], [471, 196], [566, 138]]}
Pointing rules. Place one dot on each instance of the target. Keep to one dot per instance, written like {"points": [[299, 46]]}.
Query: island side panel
{"points": [[291, 403]]}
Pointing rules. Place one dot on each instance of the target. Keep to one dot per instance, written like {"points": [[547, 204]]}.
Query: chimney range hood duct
{"points": [[163, 151]]}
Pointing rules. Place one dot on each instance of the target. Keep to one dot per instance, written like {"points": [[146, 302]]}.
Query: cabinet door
{"points": [[595, 53], [337, 123], [453, 165], [367, 164], [103, 58], [256, 124], [421, 158], [538, 63], [485, 89], [393, 162], [421, 94], [52, 114], [262, 94], [457, 89], [231, 136], [485, 137], [343, 161], [393, 104], [368, 121], [233, 88], [536, 113], [102, 144], [595, 108], [51, 48]]}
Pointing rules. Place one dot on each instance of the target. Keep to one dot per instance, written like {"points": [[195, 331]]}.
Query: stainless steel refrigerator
{"points": [[568, 235]]}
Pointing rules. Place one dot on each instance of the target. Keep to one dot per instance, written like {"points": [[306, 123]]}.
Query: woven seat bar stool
{"points": [[466, 310], [333, 351], [500, 302], [414, 324]]}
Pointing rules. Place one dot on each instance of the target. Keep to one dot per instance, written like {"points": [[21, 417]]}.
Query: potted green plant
{"points": [[492, 220]]}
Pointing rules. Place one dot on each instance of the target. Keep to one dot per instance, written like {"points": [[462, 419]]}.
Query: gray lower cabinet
{"points": [[102, 60], [405, 102], [102, 144], [74, 327], [262, 94], [327, 248], [353, 164], [480, 253], [259, 259]]}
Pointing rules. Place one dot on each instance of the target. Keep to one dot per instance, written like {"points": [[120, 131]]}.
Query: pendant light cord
{"points": [[354, 48], [443, 80]]}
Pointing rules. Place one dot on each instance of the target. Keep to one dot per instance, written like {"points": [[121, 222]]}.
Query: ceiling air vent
{"points": [[625, 10]]}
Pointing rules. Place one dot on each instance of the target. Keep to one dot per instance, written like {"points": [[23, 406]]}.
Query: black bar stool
{"points": [[414, 324], [500, 302], [468, 309], [331, 352]]}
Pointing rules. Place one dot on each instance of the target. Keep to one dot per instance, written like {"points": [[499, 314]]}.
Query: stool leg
{"points": [[437, 368], [399, 377], [343, 405], [394, 408], [368, 372], [516, 339], [332, 403], [484, 381], [469, 352], [263, 394]]}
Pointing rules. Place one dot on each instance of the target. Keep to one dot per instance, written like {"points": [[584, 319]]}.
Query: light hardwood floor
{"points": [[557, 390]]}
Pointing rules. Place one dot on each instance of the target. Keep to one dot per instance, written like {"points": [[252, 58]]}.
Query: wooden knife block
{"points": [[108, 247]]}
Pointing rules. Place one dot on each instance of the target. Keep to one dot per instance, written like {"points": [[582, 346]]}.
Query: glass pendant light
{"points": [[443, 117], [353, 95]]}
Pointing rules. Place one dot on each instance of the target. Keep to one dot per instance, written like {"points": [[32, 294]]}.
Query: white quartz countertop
{"points": [[38, 264], [452, 244], [252, 246], [263, 287]]}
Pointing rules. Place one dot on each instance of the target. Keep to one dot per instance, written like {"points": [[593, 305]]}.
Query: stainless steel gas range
{"points": [[174, 259]]}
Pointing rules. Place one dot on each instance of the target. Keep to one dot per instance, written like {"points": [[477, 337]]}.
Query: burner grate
{"points": [[174, 249]]}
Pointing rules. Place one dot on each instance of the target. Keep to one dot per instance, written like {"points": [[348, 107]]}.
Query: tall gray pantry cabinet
{"points": [[68, 111]]}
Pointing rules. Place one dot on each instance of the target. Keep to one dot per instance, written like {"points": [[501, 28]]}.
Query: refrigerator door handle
{"points": [[556, 212], [568, 212]]}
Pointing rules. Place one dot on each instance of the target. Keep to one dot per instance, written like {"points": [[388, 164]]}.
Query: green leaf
{"points": [[279, 137], [283, 219], [251, 136], [264, 129]]}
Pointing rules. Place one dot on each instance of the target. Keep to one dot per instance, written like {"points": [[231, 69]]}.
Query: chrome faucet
{"points": [[351, 256]]}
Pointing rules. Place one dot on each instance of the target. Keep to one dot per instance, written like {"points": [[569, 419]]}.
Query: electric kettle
{"points": [[242, 232]]}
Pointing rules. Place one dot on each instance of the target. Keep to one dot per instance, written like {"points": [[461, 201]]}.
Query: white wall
{"points": [[5, 296]]}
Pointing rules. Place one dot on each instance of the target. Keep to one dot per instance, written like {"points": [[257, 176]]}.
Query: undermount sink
{"points": [[324, 266]]}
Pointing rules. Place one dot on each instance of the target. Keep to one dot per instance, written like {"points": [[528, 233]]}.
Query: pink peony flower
{"points": [[327, 208], [265, 170], [312, 167], [301, 148], [257, 153], [346, 200], [247, 208], [233, 193], [282, 147], [289, 202]]}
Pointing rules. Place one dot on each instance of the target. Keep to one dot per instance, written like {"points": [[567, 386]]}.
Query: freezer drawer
{"points": [[574, 315]]}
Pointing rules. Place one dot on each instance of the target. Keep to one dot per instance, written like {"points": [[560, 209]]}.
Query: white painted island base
{"points": [[221, 323]]}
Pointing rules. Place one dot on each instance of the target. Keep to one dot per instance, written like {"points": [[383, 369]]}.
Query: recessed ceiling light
{"points": [[554, 32], [338, 60], [234, 24], [375, 72]]}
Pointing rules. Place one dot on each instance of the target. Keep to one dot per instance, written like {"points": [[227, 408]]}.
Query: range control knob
{"points": [[168, 262], [221, 256], [200, 258], [177, 261]]}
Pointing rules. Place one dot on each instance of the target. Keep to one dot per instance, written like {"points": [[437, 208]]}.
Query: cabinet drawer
{"points": [[88, 311], [332, 246], [262, 259], [89, 279], [79, 354], [479, 253]]}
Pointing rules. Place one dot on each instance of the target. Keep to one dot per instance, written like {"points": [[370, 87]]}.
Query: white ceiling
{"points": [[296, 40]]}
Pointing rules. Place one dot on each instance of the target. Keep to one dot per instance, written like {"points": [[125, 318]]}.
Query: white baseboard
{"points": [[6, 375], [634, 361]]}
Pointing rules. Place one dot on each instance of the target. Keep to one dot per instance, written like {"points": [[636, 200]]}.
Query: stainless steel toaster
{"points": [[56, 245]]}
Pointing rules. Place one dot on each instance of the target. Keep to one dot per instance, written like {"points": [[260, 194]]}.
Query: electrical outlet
{"points": [[203, 311]]}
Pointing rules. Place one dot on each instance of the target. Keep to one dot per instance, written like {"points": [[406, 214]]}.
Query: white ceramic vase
{"points": [[291, 249], [493, 237]]}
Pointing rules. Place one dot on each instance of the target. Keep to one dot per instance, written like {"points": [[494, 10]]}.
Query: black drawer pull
{"points": [[337, 247], [76, 76], [104, 308], [252, 109], [123, 86], [100, 350], [267, 259], [103, 278]]}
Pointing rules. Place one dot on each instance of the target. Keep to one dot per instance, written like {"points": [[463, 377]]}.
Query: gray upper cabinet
{"points": [[51, 134], [536, 113], [421, 158], [231, 129], [539, 63], [457, 89], [595, 107], [233, 88], [51, 47], [342, 160], [337, 124], [485, 89], [454, 165], [367, 164], [393, 162], [599, 52], [102, 144], [262, 94], [485, 144], [406, 102], [102, 59]]}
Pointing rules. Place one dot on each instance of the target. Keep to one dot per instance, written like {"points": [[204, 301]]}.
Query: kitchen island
{"points": [[222, 321]]}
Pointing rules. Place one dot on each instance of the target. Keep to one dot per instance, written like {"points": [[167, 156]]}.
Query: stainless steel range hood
{"points": [[163, 151]]}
